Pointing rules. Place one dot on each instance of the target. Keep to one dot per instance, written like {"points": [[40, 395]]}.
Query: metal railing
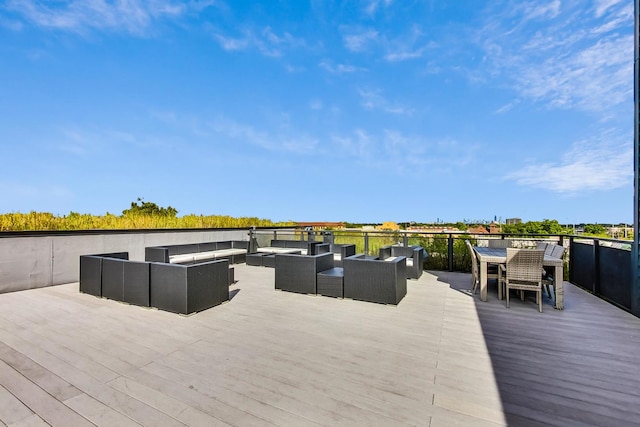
{"points": [[599, 266], [34, 259]]}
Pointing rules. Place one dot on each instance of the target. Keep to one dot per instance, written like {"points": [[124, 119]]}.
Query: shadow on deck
{"points": [[577, 366], [439, 358]]}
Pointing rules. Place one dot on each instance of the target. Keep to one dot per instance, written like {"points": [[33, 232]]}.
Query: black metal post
{"points": [[571, 259], [635, 263], [596, 266], [450, 252], [366, 243]]}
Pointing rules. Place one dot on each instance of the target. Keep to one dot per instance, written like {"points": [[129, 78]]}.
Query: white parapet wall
{"points": [[35, 260]]}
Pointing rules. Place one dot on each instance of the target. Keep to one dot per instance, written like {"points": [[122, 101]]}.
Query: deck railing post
{"points": [[596, 266], [570, 259], [405, 239], [450, 251], [635, 251], [366, 243]]}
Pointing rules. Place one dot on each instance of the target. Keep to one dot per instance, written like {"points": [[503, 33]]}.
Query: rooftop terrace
{"points": [[439, 358]]}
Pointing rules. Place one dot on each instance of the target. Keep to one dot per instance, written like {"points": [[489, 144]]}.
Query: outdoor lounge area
{"points": [[442, 357]]}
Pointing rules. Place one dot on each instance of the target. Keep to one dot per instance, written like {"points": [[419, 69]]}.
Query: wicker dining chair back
{"points": [[523, 272], [548, 279], [475, 274], [557, 251], [500, 243]]}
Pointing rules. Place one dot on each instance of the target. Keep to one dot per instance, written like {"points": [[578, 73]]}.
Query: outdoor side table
{"points": [[331, 282]]}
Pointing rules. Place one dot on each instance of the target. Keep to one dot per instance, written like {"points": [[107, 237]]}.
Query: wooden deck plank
{"points": [[12, 410], [45, 379], [134, 409], [98, 413], [441, 357], [47, 407]]}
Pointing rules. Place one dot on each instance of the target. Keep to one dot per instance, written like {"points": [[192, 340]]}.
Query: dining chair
{"points": [[499, 243], [522, 272], [475, 273], [557, 251], [492, 269], [541, 245]]}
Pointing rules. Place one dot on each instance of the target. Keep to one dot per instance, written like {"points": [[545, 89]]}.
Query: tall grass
{"points": [[35, 221]]}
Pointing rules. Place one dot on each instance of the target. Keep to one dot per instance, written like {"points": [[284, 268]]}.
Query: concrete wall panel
{"points": [[28, 262]]}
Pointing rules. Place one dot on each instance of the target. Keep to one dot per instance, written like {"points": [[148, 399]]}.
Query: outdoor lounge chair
{"points": [[414, 254], [375, 280], [298, 273]]}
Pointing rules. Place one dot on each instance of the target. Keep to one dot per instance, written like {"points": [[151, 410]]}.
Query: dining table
{"points": [[488, 256]]}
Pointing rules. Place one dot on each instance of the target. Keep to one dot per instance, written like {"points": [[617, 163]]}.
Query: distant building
{"points": [[480, 229], [513, 221], [434, 230], [321, 225]]}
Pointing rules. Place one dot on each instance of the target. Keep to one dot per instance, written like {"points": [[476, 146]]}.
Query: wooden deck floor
{"points": [[440, 358]]}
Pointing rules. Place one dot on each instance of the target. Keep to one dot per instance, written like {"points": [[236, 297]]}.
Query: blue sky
{"points": [[359, 111]]}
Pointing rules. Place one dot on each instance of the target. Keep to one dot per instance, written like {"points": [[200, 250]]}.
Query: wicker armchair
{"points": [[522, 272], [375, 280], [415, 256], [298, 273]]}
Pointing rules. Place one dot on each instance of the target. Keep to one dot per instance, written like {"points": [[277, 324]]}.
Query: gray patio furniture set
{"points": [[178, 288], [359, 278]]}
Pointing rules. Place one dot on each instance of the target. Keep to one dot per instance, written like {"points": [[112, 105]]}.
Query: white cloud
{"points": [[266, 41], [569, 57], [316, 104], [374, 100], [133, 16], [408, 45], [507, 107], [339, 68], [402, 154], [359, 40], [601, 163], [602, 6], [372, 6], [231, 44], [283, 141]]}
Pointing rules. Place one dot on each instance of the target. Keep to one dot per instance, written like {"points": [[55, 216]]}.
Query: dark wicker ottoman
{"points": [[330, 282], [255, 259]]}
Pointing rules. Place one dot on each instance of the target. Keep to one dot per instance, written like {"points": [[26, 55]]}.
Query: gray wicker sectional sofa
{"points": [[233, 250], [290, 246], [178, 288]]}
